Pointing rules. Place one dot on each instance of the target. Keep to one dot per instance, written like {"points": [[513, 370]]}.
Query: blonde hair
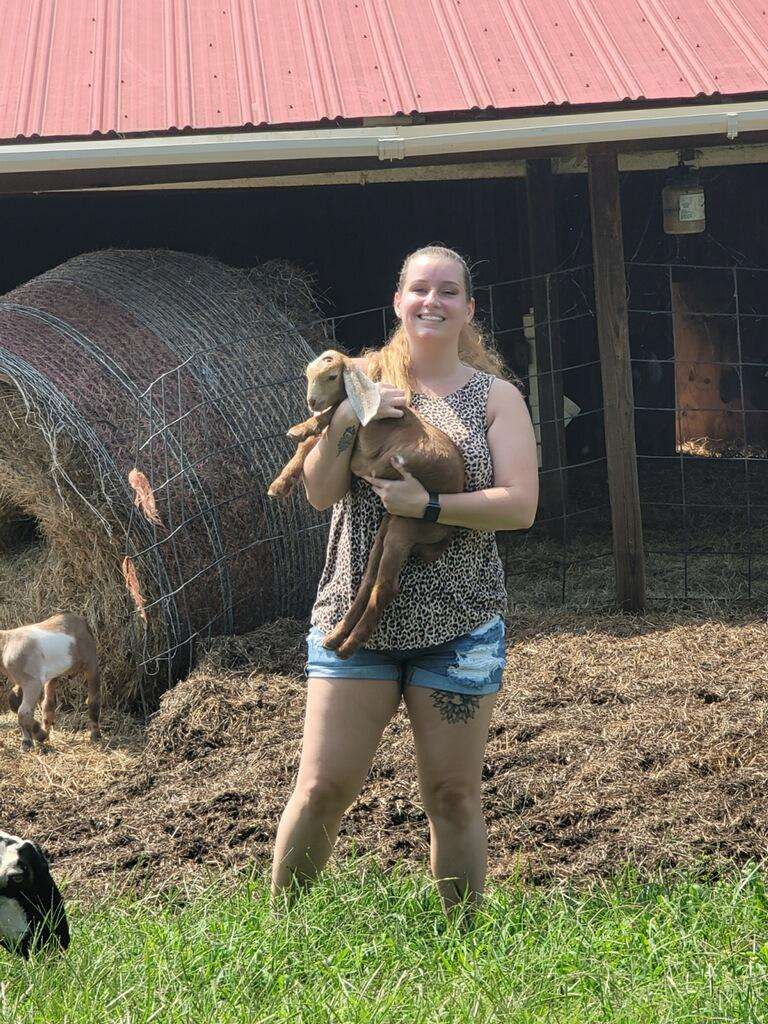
{"points": [[392, 362]]}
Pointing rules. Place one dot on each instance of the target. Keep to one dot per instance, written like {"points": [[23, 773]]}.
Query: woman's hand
{"points": [[404, 497], [392, 403]]}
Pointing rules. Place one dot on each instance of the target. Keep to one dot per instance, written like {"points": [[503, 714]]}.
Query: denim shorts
{"points": [[471, 664]]}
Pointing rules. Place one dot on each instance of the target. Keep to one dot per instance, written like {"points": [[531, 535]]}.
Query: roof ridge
{"points": [[181, 115], [104, 105], [517, 17], [737, 24], [395, 89], [454, 33], [689, 64], [600, 38], [317, 50], [36, 21], [249, 73]]}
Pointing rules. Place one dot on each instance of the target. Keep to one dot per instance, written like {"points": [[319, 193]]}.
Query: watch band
{"points": [[432, 510]]}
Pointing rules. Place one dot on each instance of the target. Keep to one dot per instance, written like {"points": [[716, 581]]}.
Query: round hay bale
{"points": [[144, 401]]}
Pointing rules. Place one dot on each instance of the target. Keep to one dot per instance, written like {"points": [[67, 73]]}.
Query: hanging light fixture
{"points": [[682, 200]]}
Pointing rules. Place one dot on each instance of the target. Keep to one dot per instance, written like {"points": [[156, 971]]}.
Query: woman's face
{"points": [[433, 303]]}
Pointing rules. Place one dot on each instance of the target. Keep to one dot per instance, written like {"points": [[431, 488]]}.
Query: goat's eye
{"points": [[332, 376]]}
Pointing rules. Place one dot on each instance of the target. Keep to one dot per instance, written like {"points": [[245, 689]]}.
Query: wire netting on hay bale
{"points": [[143, 409]]}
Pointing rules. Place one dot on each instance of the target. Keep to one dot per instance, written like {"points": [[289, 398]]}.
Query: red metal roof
{"points": [[78, 67]]}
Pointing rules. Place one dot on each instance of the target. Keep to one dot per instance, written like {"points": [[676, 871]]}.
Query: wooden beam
{"points": [[619, 416], [542, 243]]}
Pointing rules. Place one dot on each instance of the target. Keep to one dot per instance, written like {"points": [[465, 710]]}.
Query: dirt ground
{"points": [[615, 739]]}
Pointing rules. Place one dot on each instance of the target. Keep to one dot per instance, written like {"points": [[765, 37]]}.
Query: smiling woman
{"points": [[440, 642]]}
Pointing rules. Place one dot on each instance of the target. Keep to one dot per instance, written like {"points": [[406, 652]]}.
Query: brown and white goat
{"points": [[33, 657], [420, 448]]}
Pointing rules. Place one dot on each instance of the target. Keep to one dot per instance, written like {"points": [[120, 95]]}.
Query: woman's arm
{"points": [[511, 503], [326, 468]]}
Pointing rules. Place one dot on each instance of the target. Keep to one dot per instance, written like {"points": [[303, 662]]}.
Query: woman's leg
{"points": [[342, 728], [450, 733]]}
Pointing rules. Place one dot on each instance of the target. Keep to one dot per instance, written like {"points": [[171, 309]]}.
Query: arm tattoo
{"points": [[455, 707], [346, 440]]}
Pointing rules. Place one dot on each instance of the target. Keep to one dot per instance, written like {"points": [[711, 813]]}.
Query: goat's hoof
{"points": [[96, 736], [26, 746], [347, 649], [280, 489], [333, 641]]}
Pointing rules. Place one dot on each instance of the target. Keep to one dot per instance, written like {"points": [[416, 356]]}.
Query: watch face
{"points": [[432, 511]]}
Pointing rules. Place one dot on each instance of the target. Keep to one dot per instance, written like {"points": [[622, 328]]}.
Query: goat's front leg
{"points": [[291, 472], [31, 689], [402, 534], [314, 425], [338, 635]]}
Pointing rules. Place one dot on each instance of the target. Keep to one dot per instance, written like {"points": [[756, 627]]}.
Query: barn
{"points": [[601, 165]]}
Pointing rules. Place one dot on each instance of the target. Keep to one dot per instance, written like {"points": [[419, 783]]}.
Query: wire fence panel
{"points": [[700, 385]]}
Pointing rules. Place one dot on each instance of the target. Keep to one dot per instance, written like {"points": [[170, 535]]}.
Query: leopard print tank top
{"points": [[449, 597]]}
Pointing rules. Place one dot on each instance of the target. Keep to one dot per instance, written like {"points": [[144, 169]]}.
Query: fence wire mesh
{"points": [[700, 387]]}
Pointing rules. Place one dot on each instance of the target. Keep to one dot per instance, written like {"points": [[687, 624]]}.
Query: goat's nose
{"points": [[311, 403]]}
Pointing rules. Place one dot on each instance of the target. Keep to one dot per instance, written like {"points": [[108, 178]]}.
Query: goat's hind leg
{"points": [[49, 706], [398, 544], [431, 552], [94, 700], [338, 635]]}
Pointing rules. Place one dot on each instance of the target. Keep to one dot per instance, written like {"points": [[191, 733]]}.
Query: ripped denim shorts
{"points": [[471, 664]]}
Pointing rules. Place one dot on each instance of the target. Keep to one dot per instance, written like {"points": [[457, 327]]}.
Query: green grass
{"points": [[363, 947]]}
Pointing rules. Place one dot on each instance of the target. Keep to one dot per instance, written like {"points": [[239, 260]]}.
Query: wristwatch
{"points": [[432, 511]]}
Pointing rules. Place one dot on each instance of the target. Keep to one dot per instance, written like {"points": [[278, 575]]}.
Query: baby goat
{"points": [[34, 657], [423, 450]]}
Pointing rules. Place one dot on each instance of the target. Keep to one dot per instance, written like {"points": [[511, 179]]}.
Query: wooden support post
{"points": [[542, 241], [619, 416]]}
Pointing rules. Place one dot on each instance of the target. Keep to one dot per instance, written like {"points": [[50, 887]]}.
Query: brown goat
{"points": [[34, 657], [423, 450]]}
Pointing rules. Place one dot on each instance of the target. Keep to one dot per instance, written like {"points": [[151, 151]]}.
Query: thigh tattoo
{"points": [[455, 707]]}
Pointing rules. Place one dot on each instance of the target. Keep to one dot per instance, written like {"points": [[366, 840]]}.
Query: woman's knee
{"points": [[452, 801], [324, 797]]}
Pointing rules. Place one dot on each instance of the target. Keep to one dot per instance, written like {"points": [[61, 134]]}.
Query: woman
{"points": [[440, 645]]}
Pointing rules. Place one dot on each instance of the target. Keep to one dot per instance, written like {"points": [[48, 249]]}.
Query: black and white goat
{"points": [[32, 915]]}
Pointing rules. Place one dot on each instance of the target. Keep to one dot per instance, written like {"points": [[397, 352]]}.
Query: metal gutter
{"points": [[389, 143]]}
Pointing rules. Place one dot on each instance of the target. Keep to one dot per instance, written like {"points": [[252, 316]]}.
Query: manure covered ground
{"points": [[615, 739]]}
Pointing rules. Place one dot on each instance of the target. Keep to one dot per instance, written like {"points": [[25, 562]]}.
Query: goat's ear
{"points": [[33, 858], [363, 394]]}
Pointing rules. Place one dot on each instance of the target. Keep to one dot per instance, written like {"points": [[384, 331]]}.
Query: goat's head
{"points": [[325, 380], [332, 377]]}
